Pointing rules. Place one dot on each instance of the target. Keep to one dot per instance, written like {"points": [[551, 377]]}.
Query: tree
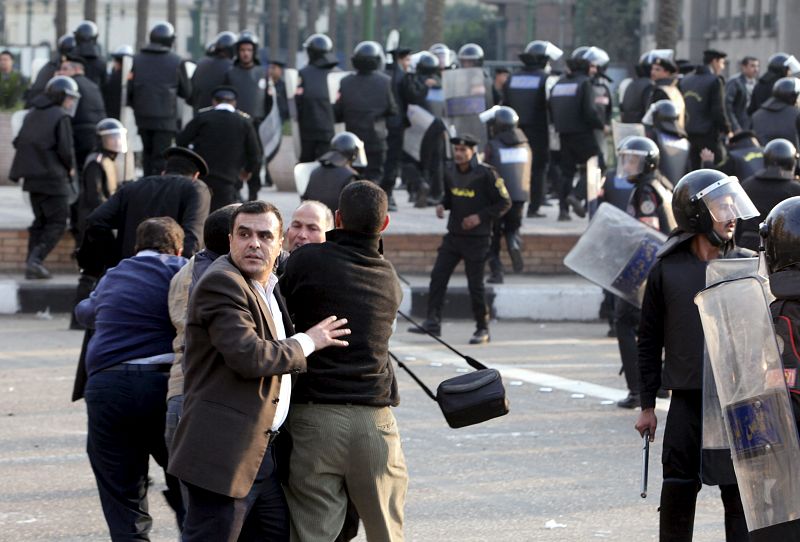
{"points": [[349, 28], [395, 18], [61, 18], [433, 28], [313, 15], [610, 24], [667, 19], [242, 14], [172, 12], [291, 41], [379, 21], [274, 27], [223, 8], [142, 12], [90, 10], [333, 11]]}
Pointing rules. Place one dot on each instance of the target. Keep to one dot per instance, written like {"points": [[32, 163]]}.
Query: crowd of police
{"points": [[477, 146]]}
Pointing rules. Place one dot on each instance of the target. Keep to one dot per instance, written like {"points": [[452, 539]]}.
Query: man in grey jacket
{"points": [[738, 91]]}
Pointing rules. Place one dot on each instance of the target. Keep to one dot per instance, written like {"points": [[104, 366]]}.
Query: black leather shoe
{"points": [[631, 401], [427, 326], [495, 278], [481, 336], [662, 393], [517, 262], [535, 214], [563, 216], [577, 206], [35, 270]]}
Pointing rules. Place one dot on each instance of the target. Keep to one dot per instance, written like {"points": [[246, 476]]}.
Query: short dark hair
{"points": [[180, 165], [362, 207], [161, 234], [747, 60], [216, 229], [256, 208], [7, 52]]}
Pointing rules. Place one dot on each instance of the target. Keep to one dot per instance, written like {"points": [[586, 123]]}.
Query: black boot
{"points": [[481, 336], [676, 512], [429, 326], [514, 244], [631, 401], [34, 268]]}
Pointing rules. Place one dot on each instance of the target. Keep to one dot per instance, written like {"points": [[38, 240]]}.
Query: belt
{"points": [[139, 368]]}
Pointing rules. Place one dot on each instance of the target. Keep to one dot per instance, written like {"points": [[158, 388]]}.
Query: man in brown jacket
{"points": [[240, 344]]}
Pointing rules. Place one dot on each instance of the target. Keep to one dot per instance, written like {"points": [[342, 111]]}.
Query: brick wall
{"points": [[14, 249]]}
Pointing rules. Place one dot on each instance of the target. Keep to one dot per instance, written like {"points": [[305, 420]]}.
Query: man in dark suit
{"points": [[241, 351]]}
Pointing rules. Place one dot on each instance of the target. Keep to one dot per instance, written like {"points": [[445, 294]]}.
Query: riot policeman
{"points": [[770, 186], [395, 124], [508, 152], [706, 204], [365, 102], [475, 196], [525, 92], [86, 47], [335, 171], [634, 102], [66, 43], [226, 139], [112, 91], [158, 77], [211, 71], [447, 57], [779, 116], [45, 159], [598, 62], [778, 65], [662, 126], [706, 119], [314, 109], [471, 55], [575, 118], [744, 157], [90, 111]]}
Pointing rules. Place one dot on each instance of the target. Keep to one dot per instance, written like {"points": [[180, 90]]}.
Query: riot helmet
{"points": [[538, 53], [367, 56], [663, 115], [122, 51], [425, 63], [66, 43], [706, 196], [85, 32], [317, 46], [786, 89], [247, 37], [162, 33], [350, 147], [470, 55], [597, 57], [783, 64], [224, 43], [577, 62], [499, 119], [112, 135], [781, 155], [211, 48], [637, 157], [444, 54], [61, 87], [780, 235]]}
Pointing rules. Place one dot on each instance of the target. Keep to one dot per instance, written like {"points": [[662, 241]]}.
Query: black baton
{"points": [[645, 462]]}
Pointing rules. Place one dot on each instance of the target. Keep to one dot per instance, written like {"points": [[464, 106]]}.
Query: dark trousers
{"points": [[49, 224], [254, 182], [576, 149], [681, 460], [261, 515], [454, 248], [154, 143], [431, 160], [374, 169], [222, 193], [311, 149], [507, 226], [126, 426], [711, 141], [540, 153], [394, 153], [626, 324]]}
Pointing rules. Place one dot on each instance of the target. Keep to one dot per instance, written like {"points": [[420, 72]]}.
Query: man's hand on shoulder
{"points": [[327, 333]]}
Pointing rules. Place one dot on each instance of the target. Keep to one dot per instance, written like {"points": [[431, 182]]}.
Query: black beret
{"points": [[225, 92], [464, 139], [713, 54], [184, 154]]}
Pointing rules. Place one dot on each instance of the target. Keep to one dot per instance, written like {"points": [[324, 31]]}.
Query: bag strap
{"points": [[475, 364], [422, 385]]}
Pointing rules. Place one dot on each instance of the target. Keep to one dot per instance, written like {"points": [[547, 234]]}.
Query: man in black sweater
{"points": [[227, 141], [344, 434]]}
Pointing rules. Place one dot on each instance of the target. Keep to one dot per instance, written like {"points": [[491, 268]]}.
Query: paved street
{"points": [[562, 466]]}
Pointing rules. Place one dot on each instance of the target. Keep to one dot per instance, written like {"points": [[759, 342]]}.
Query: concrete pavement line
{"points": [[535, 377]]}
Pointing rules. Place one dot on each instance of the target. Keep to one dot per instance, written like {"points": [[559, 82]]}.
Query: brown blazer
{"points": [[232, 368]]}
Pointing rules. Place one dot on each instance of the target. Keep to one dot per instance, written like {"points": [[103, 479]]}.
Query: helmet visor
{"points": [[630, 163], [793, 64], [114, 141], [70, 104], [361, 156], [552, 52], [726, 200]]}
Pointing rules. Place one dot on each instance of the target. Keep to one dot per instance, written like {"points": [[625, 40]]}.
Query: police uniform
{"points": [[479, 191], [314, 110], [98, 182], [329, 179], [636, 100], [430, 167], [93, 60], [525, 93], [395, 125], [767, 189], [604, 107], [744, 158], [777, 119], [508, 152], [209, 74], [706, 119], [91, 110]]}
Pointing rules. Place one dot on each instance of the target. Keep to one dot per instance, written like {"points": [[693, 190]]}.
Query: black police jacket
{"points": [[209, 74], [314, 108], [226, 140], [327, 182], [524, 92], [704, 95], [95, 64], [91, 110], [775, 119], [650, 202], [766, 189], [365, 102], [785, 286], [479, 191], [251, 86], [572, 105], [112, 94], [47, 72], [159, 78], [44, 149], [762, 91], [397, 75], [635, 100], [509, 153]]}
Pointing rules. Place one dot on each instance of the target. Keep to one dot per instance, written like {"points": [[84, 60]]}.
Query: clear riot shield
{"points": [[621, 130], [629, 253], [674, 156], [302, 174], [759, 423], [594, 185], [270, 129], [334, 80], [126, 162], [465, 99], [292, 80], [185, 111], [17, 118], [420, 120]]}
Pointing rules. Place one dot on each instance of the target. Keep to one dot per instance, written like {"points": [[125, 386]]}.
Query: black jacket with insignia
{"points": [[785, 286], [477, 191]]}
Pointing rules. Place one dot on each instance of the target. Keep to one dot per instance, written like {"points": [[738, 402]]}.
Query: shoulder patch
{"points": [[206, 109], [500, 184], [243, 114]]}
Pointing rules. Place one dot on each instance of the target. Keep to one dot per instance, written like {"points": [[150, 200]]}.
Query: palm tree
{"points": [[172, 12], [142, 11], [379, 21], [242, 14], [433, 28], [90, 10], [274, 27], [61, 18], [349, 29], [394, 21], [313, 15], [291, 41], [332, 16], [223, 7], [667, 20]]}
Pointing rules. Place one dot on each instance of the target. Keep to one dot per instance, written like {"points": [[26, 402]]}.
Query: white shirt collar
{"points": [[226, 107], [148, 252]]}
